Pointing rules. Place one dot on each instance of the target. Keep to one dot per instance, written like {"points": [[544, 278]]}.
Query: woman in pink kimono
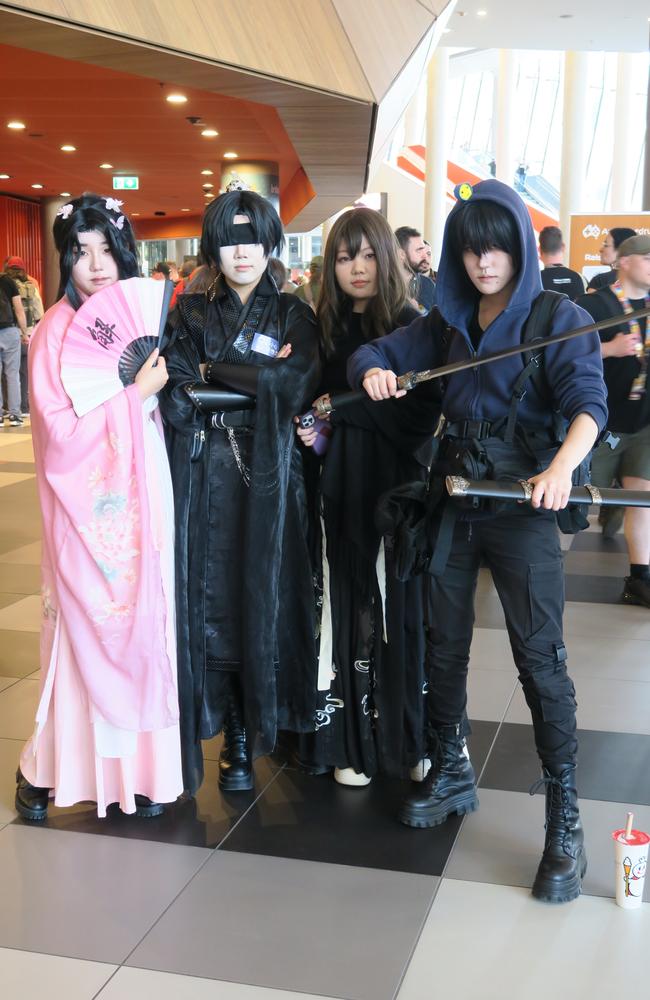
{"points": [[107, 723]]}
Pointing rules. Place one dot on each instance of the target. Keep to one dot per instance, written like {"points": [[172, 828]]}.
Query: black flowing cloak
{"points": [[276, 602], [375, 447]]}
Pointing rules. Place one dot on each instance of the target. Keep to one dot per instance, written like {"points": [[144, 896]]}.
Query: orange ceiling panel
{"points": [[124, 120]]}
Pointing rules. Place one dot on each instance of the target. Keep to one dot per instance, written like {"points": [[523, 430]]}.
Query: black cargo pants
{"points": [[522, 550]]}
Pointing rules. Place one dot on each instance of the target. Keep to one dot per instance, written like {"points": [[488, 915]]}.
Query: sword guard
{"points": [[527, 488], [594, 493], [407, 381], [456, 486]]}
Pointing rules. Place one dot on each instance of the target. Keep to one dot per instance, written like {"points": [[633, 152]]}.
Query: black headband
{"points": [[241, 234]]}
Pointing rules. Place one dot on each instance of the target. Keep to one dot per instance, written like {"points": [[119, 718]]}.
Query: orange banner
{"points": [[589, 231]]}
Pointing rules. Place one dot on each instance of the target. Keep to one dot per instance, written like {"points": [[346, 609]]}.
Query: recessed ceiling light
{"points": [[207, 173], [208, 194], [184, 209], [230, 156], [68, 149], [481, 13], [105, 166], [65, 194], [134, 215], [208, 186], [209, 133], [38, 186], [5, 177], [16, 125], [176, 98]]}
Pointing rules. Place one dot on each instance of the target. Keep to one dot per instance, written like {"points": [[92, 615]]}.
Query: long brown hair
{"points": [[334, 306]]}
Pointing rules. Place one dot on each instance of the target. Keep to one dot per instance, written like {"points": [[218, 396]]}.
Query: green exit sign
{"points": [[126, 183]]}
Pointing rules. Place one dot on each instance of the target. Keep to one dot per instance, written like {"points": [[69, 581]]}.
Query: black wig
{"points": [[92, 213], [218, 222], [480, 226]]}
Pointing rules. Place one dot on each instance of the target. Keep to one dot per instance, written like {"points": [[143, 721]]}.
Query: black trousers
{"points": [[522, 550]]}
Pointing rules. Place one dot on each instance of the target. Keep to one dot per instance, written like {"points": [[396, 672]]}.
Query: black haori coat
{"points": [[242, 549]]}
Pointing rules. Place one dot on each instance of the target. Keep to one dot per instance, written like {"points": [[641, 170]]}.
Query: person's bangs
{"points": [[351, 237], [482, 226]]}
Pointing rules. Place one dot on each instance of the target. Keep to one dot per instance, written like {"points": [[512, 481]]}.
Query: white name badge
{"points": [[264, 344]]}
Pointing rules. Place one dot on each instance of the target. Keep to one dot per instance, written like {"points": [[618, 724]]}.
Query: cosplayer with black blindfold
{"points": [[242, 360]]}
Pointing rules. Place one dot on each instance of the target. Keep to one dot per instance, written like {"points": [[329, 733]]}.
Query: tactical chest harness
{"points": [[504, 449]]}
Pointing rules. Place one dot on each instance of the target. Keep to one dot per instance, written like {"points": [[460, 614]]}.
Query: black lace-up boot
{"points": [[31, 802], [564, 861], [235, 766], [449, 787]]}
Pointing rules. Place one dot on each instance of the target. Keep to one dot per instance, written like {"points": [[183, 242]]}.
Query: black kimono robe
{"points": [[245, 597]]}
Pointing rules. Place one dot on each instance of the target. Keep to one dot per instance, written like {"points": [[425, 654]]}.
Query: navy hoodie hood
{"points": [[454, 302]]}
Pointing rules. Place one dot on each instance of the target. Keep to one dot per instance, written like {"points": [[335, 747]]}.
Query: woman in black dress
{"points": [[371, 678]]}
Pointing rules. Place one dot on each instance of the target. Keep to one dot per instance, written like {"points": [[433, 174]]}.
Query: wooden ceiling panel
{"points": [[301, 42], [370, 23]]}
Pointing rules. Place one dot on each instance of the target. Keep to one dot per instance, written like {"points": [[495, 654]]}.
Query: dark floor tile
{"points": [[200, 822], [593, 541], [612, 767], [16, 466], [593, 589], [315, 819]]}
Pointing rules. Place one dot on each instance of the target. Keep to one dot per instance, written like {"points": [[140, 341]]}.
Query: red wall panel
{"points": [[20, 233]]}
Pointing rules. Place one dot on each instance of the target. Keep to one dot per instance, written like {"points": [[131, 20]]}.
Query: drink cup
{"points": [[631, 856]]}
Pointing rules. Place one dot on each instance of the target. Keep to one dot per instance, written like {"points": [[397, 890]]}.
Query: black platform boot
{"points": [[564, 861], [235, 766], [31, 802], [449, 787]]}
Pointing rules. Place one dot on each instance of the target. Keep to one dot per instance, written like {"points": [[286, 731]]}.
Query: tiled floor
{"points": [[304, 888]]}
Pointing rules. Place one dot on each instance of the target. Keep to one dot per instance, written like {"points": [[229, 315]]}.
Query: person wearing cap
{"points": [[626, 358], [310, 291], [30, 296], [611, 242]]}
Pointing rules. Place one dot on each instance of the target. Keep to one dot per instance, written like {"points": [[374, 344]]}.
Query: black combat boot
{"points": [[564, 861], [31, 802], [449, 787], [235, 766]]}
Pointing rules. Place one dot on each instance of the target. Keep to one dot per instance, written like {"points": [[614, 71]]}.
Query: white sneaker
{"points": [[420, 771], [348, 776]]}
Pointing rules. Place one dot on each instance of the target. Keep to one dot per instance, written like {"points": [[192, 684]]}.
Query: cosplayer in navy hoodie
{"points": [[574, 369], [487, 283]]}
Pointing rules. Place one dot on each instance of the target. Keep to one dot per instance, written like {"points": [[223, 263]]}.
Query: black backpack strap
{"points": [[537, 326]]}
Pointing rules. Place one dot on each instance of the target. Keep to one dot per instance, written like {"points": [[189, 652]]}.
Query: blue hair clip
{"points": [[464, 191]]}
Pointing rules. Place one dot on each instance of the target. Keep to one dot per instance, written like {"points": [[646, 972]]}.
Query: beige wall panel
{"points": [[302, 42], [383, 34]]}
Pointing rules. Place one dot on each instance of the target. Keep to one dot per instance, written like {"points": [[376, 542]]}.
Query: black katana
{"points": [[457, 486], [410, 379]]}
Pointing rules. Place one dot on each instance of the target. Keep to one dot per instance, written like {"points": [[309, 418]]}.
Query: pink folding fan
{"points": [[110, 338]]}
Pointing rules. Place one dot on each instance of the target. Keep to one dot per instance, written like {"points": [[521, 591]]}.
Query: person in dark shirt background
{"points": [[611, 243], [555, 276], [626, 351], [416, 262]]}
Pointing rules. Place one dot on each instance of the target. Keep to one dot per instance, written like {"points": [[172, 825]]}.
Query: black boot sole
{"points": [[241, 783], [422, 820], [33, 815], [548, 893]]}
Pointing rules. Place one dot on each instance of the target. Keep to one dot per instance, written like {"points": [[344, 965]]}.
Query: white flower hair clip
{"points": [[120, 222], [65, 210], [113, 205]]}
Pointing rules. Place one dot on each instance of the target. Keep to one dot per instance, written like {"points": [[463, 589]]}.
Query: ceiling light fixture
{"points": [[184, 209], [208, 186], [134, 215], [38, 186], [5, 177], [207, 173], [176, 98], [230, 156], [64, 194], [209, 133], [105, 166], [68, 149], [481, 13], [16, 125]]}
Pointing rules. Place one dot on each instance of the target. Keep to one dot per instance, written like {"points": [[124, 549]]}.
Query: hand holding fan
{"points": [[110, 338]]}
